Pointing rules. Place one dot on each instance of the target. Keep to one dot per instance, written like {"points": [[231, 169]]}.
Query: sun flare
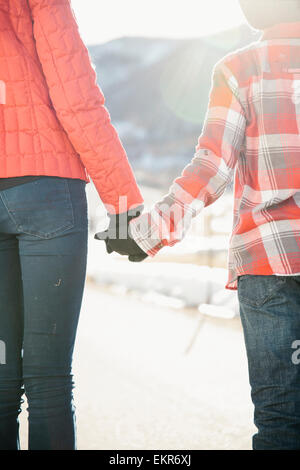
{"points": [[102, 21]]}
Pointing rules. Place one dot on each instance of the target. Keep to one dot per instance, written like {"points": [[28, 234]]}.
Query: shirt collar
{"points": [[282, 30]]}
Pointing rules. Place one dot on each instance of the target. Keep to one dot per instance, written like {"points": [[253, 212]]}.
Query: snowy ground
{"points": [[188, 285], [154, 377], [174, 274]]}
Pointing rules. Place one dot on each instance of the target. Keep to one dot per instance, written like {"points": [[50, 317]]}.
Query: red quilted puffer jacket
{"points": [[52, 115]]}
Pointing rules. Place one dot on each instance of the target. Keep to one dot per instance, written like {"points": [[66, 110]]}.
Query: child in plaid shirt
{"points": [[251, 134]]}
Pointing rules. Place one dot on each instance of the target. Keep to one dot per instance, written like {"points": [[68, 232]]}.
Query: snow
{"points": [[215, 311], [177, 284], [159, 281], [130, 130]]}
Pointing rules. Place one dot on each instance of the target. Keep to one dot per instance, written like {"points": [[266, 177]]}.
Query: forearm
{"points": [[201, 183]]}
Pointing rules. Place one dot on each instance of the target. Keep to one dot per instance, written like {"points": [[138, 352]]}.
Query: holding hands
{"points": [[117, 237]]}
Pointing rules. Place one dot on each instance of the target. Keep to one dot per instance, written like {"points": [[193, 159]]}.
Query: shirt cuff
{"points": [[140, 230]]}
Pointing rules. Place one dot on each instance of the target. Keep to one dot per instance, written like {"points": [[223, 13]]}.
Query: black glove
{"points": [[117, 237]]}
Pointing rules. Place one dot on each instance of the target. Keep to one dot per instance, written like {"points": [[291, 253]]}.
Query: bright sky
{"points": [[103, 20]]}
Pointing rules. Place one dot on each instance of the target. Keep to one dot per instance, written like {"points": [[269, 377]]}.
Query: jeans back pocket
{"points": [[42, 208], [255, 289]]}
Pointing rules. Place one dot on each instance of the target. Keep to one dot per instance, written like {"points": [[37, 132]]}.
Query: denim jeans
{"points": [[270, 315], [43, 254]]}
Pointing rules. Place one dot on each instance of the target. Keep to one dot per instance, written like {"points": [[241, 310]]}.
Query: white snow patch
{"points": [[163, 283]]}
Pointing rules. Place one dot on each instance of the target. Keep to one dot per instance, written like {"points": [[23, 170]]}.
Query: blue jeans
{"points": [[43, 253], [270, 314]]}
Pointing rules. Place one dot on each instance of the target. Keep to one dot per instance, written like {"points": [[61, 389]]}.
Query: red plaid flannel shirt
{"points": [[251, 134]]}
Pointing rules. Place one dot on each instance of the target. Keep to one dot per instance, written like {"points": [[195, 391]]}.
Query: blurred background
{"points": [[154, 62], [160, 361]]}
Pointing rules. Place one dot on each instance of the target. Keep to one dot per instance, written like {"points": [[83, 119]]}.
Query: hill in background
{"points": [[157, 93]]}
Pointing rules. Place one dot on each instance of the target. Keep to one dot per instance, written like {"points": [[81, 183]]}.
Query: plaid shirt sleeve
{"points": [[205, 179]]}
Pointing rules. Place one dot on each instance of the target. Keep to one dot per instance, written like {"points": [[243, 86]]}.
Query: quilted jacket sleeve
{"points": [[79, 103]]}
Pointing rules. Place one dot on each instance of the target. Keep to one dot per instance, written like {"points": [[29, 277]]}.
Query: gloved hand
{"points": [[117, 237]]}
